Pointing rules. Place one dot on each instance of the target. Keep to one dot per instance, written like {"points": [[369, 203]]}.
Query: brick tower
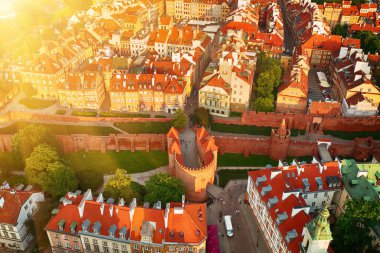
{"points": [[197, 178], [279, 141]]}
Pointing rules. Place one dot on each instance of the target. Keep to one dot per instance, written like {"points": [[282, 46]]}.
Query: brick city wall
{"points": [[359, 149], [23, 116], [304, 121], [113, 142]]}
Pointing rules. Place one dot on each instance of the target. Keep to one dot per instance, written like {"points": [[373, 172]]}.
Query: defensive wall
{"points": [[360, 148], [306, 121], [112, 142], [26, 116]]}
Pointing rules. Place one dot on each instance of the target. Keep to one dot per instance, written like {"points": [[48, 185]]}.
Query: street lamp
{"points": [[258, 235]]}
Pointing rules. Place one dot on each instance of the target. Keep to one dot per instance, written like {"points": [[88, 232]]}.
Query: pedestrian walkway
{"points": [[188, 148]]}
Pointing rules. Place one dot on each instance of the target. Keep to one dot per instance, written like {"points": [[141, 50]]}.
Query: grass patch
{"points": [[241, 129], [12, 179], [124, 115], [236, 114], [35, 103], [352, 135], [62, 129], [160, 116], [238, 160], [84, 113], [145, 127], [226, 175], [297, 132], [132, 162], [60, 112]]}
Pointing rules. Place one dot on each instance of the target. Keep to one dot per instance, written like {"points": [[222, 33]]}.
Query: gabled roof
{"points": [[13, 201]]}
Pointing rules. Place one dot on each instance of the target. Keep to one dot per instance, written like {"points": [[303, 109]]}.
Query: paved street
{"points": [[231, 202], [315, 92]]}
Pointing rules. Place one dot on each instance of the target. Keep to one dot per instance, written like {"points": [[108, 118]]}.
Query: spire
{"points": [[282, 130], [319, 227]]}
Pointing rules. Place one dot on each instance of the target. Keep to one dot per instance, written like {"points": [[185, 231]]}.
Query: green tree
{"points": [[273, 67], [341, 30], [164, 188], [201, 116], [264, 104], [180, 119], [89, 179], [352, 228], [45, 169], [264, 85], [120, 186], [30, 137], [370, 43]]}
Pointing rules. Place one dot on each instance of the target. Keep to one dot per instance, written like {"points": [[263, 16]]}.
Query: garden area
{"points": [[62, 129], [36, 103], [352, 135], [132, 162], [145, 127]]}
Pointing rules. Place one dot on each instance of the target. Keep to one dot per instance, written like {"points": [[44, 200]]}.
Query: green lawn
{"points": [[12, 179], [236, 114], [62, 129], [238, 160], [352, 135], [296, 132], [241, 129], [124, 115], [160, 116], [84, 113], [145, 127], [133, 162], [35, 103]]}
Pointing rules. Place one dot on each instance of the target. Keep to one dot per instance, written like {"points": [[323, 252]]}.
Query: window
{"points": [[96, 248], [67, 245], [56, 235], [315, 195], [104, 243], [87, 246], [106, 249], [13, 235], [76, 246], [135, 246], [94, 241], [326, 194], [313, 204], [305, 196], [85, 239]]}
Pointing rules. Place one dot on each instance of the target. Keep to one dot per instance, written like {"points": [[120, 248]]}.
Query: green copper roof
{"points": [[319, 227], [360, 187]]}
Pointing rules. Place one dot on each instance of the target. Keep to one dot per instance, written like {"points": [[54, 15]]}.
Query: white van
{"points": [[228, 225]]}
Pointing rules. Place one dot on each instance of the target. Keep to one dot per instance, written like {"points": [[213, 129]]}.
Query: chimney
{"points": [[137, 76], [2, 202], [102, 208], [166, 217], [100, 198], [87, 196], [111, 210], [121, 202], [153, 80], [183, 201], [132, 207]]}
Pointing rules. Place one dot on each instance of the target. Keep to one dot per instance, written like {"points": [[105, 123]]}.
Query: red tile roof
{"points": [[191, 221], [324, 108], [13, 201]]}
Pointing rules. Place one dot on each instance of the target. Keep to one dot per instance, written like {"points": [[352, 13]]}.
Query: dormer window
{"points": [[319, 183], [281, 217], [290, 235], [73, 227], [112, 230], [61, 224], [96, 227], [86, 225], [306, 184]]}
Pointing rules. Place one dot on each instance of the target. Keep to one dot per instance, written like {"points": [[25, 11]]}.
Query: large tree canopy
{"points": [[30, 137], [180, 119], [352, 229], [201, 116], [45, 169], [120, 186], [164, 188], [369, 42]]}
